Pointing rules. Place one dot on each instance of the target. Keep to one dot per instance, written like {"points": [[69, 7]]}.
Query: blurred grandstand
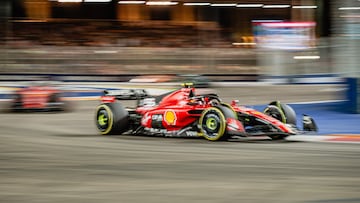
{"points": [[85, 37], [114, 47], [67, 32]]}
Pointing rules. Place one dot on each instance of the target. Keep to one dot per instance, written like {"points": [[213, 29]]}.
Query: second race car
{"points": [[182, 113], [39, 96]]}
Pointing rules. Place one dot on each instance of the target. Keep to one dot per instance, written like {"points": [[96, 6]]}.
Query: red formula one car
{"points": [[39, 96], [182, 113]]}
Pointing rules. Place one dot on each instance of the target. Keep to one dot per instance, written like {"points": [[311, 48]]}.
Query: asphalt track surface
{"points": [[59, 157]]}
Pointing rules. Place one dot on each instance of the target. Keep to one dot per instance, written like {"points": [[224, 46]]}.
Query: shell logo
{"points": [[170, 117]]}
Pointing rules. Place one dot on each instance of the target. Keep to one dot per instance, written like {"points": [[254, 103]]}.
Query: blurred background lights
{"points": [[223, 4], [69, 1], [161, 3], [307, 57], [249, 5], [276, 6], [131, 2], [196, 4], [349, 8], [97, 1]]}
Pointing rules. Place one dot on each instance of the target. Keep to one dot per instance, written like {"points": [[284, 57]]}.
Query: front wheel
{"points": [[212, 124], [111, 118], [281, 112], [275, 112]]}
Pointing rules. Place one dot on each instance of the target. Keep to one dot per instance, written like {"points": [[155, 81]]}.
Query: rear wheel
{"points": [[111, 118]]}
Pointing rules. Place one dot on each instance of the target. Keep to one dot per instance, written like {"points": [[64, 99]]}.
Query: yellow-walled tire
{"points": [[282, 112], [275, 112], [213, 124], [111, 118]]}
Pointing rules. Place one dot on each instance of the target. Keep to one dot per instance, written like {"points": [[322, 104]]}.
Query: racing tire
{"points": [[281, 112], [213, 122], [111, 118], [53, 99], [16, 104]]}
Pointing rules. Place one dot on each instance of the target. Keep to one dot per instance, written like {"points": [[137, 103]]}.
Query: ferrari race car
{"points": [[182, 113], [38, 96]]}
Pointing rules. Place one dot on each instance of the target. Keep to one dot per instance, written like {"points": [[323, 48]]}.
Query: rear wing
{"points": [[126, 94]]}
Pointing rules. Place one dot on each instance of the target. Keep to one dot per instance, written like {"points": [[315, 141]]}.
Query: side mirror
{"points": [[309, 123]]}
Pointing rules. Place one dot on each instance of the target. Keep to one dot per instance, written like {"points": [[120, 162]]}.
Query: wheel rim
{"points": [[212, 124], [275, 113], [103, 120]]}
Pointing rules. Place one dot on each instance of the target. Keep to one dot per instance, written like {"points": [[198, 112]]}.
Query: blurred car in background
{"points": [[38, 96]]}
